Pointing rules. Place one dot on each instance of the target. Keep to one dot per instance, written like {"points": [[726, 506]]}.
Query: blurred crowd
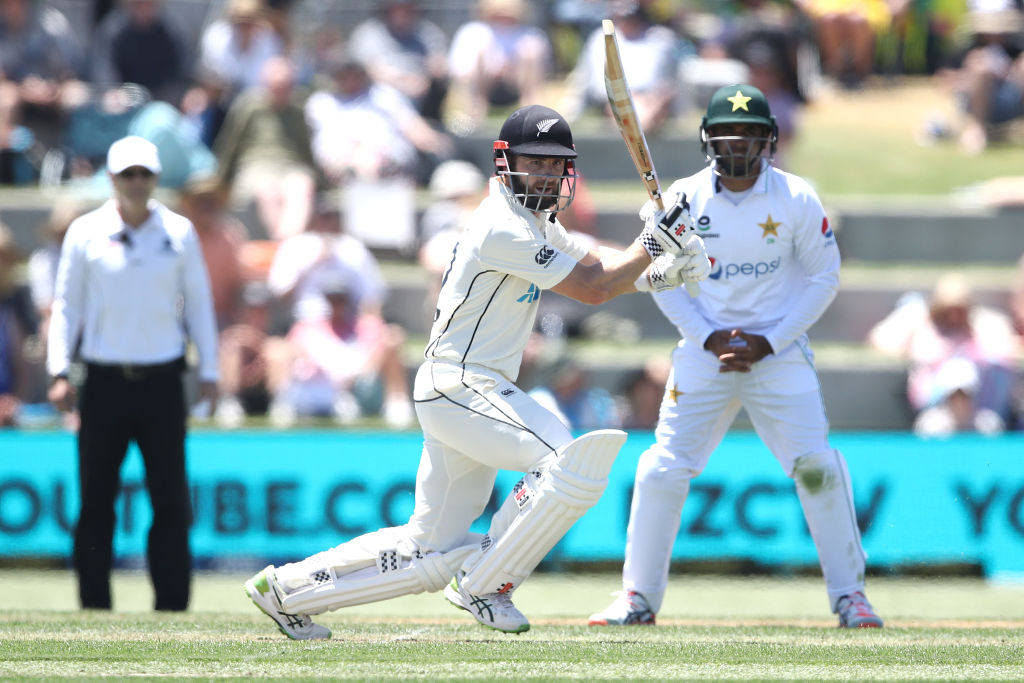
{"points": [[297, 136]]}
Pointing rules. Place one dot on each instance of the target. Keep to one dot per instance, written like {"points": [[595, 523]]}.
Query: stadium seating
{"points": [[888, 251]]}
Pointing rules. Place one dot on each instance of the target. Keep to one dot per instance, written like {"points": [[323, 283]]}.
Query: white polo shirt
{"points": [[132, 295], [491, 290], [774, 259]]}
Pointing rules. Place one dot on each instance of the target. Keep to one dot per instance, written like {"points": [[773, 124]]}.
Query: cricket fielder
{"points": [[775, 269], [475, 419]]}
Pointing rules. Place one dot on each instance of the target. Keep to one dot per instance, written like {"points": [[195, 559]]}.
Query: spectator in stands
{"points": [[346, 363], [14, 292], [40, 70], [498, 59], [138, 42], [278, 16], [988, 77], [568, 392], [642, 394], [221, 237], [847, 31], [13, 332], [648, 58], [1017, 314], [324, 247], [41, 270], [254, 363], [456, 187], [960, 356], [1017, 298], [232, 54], [264, 154], [42, 263], [368, 138], [767, 66], [401, 49], [234, 50], [366, 129], [325, 256]]}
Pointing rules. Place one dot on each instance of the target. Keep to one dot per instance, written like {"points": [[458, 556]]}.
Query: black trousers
{"points": [[147, 406]]}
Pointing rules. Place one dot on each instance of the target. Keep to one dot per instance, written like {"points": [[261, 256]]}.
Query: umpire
{"points": [[131, 285]]}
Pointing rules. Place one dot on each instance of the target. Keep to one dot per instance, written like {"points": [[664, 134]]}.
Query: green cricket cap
{"points": [[738, 103]]}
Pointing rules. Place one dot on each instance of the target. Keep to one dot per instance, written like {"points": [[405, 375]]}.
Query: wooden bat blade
{"points": [[621, 103]]}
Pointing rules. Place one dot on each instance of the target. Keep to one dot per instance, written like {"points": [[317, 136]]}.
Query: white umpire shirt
{"points": [[132, 295], [774, 259], [491, 290]]}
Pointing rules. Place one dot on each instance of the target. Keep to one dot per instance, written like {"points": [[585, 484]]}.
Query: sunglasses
{"points": [[133, 173]]}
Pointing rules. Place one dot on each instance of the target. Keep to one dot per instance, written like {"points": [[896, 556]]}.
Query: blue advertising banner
{"points": [[290, 494]]}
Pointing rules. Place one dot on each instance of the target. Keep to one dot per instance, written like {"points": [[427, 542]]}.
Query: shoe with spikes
{"points": [[263, 590], [629, 609], [494, 610], [855, 611]]}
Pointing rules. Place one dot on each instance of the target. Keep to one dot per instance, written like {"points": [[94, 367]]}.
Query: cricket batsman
{"points": [[475, 419]]}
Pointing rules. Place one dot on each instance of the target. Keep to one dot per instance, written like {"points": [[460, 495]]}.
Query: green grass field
{"points": [[710, 628]]}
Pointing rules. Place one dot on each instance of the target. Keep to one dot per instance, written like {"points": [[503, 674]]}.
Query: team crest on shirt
{"points": [[544, 256], [703, 225], [770, 229]]}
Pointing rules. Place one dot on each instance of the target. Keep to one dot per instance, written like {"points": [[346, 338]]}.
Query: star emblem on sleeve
{"points": [[769, 227], [674, 393], [739, 101]]}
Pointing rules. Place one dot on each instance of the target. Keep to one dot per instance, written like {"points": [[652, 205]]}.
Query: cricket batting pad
{"points": [[363, 571], [540, 510]]}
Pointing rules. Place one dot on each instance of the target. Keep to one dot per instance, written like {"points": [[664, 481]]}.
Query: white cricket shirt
{"points": [[132, 295], [774, 259], [491, 290]]}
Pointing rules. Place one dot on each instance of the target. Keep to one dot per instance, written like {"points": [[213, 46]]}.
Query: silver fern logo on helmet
{"points": [[545, 125]]}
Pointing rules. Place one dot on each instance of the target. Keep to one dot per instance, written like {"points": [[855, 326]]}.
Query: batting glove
{"points": [[669, 271], [665, 231], [693, 265]]}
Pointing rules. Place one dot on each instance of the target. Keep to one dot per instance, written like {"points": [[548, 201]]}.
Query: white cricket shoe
{"points": [[263, 591], [629, 609], [494, 610], [856, 612]]}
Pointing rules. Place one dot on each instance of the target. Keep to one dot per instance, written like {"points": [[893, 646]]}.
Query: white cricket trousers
{"points": [[782, 396], [474, 422]]}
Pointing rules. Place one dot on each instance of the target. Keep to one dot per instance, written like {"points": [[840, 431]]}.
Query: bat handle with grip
{"points": [[673, 213], [693, 289]]}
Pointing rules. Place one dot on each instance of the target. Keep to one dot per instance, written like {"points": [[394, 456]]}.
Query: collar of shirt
{"points": [[760, 185], [116, 226]]}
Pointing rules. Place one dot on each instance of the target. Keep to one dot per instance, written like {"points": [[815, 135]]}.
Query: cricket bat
{"points": [[621, 103]]}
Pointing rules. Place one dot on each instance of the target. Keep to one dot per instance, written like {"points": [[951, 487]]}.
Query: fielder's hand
{"points": [[666, 231], [737, 350]]}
